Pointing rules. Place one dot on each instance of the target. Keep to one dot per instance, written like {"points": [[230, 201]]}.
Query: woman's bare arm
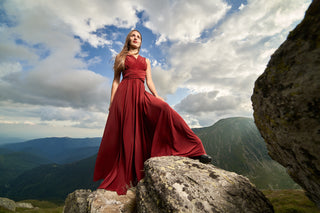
{"points": [[115, 84], [149, 80]]}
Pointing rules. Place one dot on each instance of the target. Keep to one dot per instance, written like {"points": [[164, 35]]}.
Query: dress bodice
{"points": [[135, 68]]}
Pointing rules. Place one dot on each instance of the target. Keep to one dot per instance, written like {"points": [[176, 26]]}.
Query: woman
{"points": [[140, 125]]}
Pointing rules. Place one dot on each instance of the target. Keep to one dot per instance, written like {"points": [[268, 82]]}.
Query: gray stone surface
{"points": [[178, 184], [77, 202], [286, 103], [107, 201], [24, 205], [12, 205], [8, 204], [99, 201]]}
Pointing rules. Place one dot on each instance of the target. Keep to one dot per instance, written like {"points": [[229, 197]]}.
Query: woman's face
{"points": [[135, 40]]}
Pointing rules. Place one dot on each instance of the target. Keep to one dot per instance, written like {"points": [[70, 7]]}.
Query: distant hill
{"points": [[58, 150], [235, 144], [6, 140], [53, 181], [12, 164]]}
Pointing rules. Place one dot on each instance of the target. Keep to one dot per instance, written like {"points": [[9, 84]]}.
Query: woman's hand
{"points": [[157, 96]]}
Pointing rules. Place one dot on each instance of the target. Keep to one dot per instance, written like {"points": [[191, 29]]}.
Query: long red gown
{"points": [[139, 126]]}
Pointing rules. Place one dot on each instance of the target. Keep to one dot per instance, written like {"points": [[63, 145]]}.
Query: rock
{"points": [[12, 205], [286, 103], [106, 201], [77, 202], [99, 201], [179, 184], [24, 205], [7, 204]]}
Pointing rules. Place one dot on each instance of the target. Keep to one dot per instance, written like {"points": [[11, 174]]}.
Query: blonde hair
{"points": [[121, 57]]}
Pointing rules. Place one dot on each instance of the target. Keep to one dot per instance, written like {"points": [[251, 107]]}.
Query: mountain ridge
{"points": [[57, 149]]}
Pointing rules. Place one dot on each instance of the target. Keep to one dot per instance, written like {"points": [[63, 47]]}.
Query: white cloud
{"points": [[43, 79], [207, 102], [10, 51], [182, 20], [38, 19], [233, 57], [77, 117], [59, 77], [14, 113], [70, 88], [94, 60], [166, 81], [7, 68]]}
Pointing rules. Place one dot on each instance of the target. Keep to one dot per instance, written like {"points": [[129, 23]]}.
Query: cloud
{"points": [[39, 51], [70, 88], [58, 79], [94, 60], [181, 20], [7, 68], [77, 117], [233, 57], [205, 108], [10, 51], [12, 113], [205, 102], [166, 81], [44, 77], [36, 19]]}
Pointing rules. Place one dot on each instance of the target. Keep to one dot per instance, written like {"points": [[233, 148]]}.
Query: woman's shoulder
{"points": [[145, 58]]}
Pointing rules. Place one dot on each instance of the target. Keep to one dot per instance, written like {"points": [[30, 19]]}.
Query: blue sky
{"points": [[56, 58]]}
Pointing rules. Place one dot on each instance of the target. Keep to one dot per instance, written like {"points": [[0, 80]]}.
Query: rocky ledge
{"points": [[286, 103], [177, 184]]}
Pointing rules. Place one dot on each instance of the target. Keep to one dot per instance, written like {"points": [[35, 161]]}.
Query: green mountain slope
{"points": [[235, 144], [53, 181], [13, 164]]}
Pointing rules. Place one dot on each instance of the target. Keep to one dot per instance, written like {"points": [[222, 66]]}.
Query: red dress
{"points": [[139, 126]]}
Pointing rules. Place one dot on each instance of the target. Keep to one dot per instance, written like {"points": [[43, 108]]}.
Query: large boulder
{"points": [[179, 184], [286, 103]]}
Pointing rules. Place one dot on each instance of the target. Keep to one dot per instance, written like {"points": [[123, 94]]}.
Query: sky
{"points": [[56, 58]]}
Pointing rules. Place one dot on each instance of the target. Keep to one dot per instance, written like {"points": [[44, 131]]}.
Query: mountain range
{"points": [[58, 150], [50, 168]]}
